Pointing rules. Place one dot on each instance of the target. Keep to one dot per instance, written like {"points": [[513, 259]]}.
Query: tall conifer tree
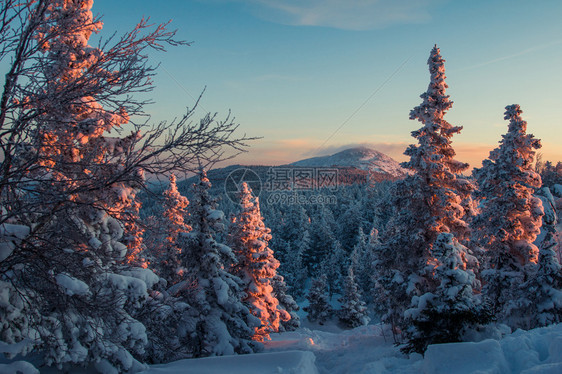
{"points": [[511, 216], [428, 202], [218, 321], [256, 265]]}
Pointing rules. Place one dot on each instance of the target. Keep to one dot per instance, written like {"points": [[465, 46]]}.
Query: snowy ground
{"points": [[369, 349]]}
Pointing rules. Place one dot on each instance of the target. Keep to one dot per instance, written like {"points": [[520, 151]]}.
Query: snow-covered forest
{"points": [[100, 270]]}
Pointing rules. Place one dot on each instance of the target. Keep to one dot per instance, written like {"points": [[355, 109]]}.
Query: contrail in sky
{"points": [[365, 102], [524, 52]]}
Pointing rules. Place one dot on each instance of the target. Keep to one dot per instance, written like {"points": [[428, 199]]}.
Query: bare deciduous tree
{"points": [[69, 230]]}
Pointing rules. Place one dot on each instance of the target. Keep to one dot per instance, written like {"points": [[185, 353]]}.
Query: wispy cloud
{"points": [[341, 14]]}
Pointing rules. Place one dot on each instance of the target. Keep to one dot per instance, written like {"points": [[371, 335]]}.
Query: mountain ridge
{"points": [[362, 158], [355, 165]]}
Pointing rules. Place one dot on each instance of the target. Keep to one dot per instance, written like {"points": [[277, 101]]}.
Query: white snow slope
{"points": [[369, 349], [363, 158], [293, 362]]}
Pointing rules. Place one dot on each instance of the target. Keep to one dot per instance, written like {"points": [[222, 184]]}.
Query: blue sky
{"points": [[294, 71]]}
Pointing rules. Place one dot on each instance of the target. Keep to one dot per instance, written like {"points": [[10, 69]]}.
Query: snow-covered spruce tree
{"points": [[68, 209], [318, 309], [551, 174], [294, 267], [256, 264], [432, 159], [363, 260], [378, 203], [550, 218], [427, 202], [81, 290], [333, 266], [544, 304], [164, 251], [217, 322], [510, 218], [287, 303], [295, 222], [162, 313], [359, 251], [322, 238], [165, 318], [175, 211], [443, 315], [353, 312], [349, 223], [543, 307]]}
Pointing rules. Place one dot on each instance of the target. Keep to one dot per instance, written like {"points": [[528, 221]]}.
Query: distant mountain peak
{"points": [[362, 152], [362, 157]]}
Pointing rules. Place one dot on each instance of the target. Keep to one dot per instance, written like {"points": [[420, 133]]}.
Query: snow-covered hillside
{"points": [[363, 158], [356, 165]]}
